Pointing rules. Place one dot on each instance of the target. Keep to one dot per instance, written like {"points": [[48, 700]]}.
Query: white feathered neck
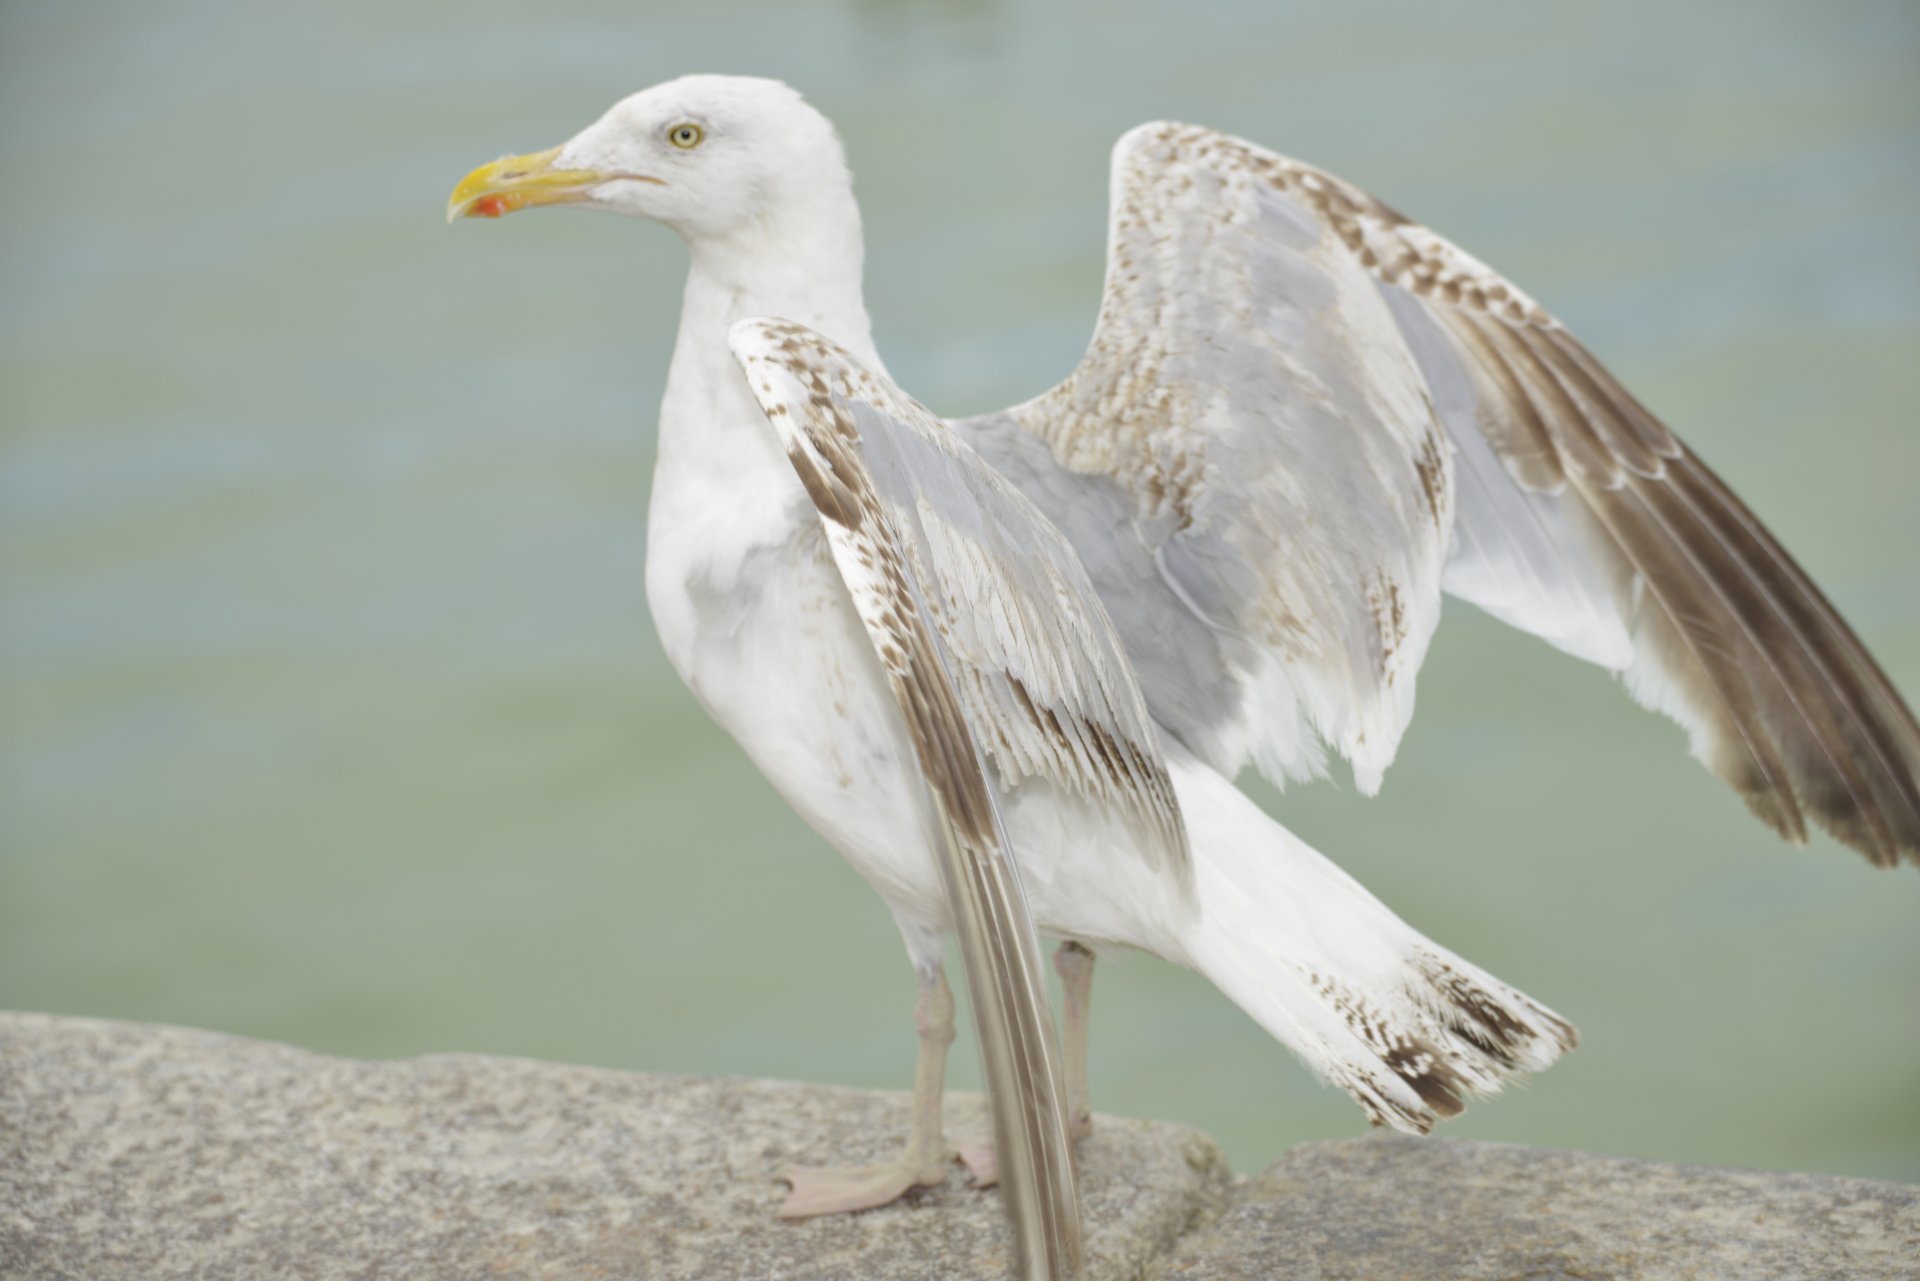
{"points": [[721, 480]]}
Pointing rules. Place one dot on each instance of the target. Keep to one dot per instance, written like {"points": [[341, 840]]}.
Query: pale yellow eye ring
{"points": [[686, 136]]}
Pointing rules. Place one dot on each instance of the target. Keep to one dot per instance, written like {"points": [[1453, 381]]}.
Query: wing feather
{"points": [[1591, 525], [1288, 479], [1786, 703], [1040, 671], [809, 389]]}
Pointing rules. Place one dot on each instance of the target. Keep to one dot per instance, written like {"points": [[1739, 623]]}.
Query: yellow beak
{"points": [[516, 182]]}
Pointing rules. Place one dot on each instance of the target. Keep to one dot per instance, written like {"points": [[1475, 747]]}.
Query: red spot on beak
{"points": [[490, 206]]}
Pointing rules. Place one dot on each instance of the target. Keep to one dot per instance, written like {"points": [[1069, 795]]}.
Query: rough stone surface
{"points": [[151, 1153], [148, 1153], [1390, 1207]]}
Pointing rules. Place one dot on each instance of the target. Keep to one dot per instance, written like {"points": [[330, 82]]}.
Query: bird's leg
{"points": [[837, 1189], [1074, 963]]}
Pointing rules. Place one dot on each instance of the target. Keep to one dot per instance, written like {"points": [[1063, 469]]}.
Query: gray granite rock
{"points": [[1387, 1208], [145, 1153]]}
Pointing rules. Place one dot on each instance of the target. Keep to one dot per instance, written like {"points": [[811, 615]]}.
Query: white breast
{"points": [[754, 617]]}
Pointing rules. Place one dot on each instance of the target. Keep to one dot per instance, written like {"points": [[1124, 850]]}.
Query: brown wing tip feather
{"points": [[1787, 706], [1847, 744]]}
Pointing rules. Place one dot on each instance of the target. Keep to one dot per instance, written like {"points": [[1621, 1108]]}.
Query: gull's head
{"points": [[713, 157]]}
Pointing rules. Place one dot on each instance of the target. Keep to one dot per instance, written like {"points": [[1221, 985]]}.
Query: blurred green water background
{"points": [[329, 706]]}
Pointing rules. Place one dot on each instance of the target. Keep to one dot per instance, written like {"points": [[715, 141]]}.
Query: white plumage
{"points": [[1222, 540]]}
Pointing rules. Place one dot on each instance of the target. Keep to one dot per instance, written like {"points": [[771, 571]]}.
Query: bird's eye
{"points": [[686, 137]]}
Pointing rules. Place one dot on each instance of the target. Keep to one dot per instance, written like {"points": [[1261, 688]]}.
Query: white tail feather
{"points": [[1404, 1026]]}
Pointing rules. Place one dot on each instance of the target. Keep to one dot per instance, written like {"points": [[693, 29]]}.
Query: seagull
{"points": [[1222, 541]]}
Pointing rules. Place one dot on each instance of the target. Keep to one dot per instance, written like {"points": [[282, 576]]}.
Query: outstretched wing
{"points": [[1284, 470], [996, 648], [1324, 414]]}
